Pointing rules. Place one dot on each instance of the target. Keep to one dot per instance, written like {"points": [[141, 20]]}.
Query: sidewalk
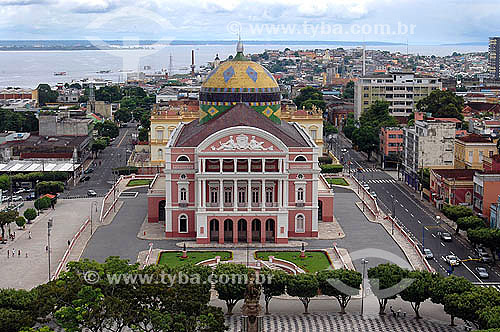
{"points": [[28, 272]]}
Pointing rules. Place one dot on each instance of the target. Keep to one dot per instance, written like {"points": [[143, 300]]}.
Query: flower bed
{"points": [[174, 259], [315, 260]]}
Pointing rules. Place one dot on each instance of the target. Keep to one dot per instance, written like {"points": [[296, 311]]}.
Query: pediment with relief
{"points": [[242, 142]]}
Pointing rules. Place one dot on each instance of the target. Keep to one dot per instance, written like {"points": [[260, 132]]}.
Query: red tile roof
{"points": [[457, 174], [473, 138]]}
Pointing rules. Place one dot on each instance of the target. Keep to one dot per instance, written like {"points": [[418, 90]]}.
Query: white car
{"points": [[17, 198], [452, 260]]}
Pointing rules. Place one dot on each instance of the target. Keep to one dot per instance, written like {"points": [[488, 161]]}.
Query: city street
{"points": [[101, 179], [414, 216]]}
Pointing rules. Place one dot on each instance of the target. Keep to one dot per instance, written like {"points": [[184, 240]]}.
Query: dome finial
{"points": [[239, 46]]}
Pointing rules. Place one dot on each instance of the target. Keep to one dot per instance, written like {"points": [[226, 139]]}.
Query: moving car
{"points": [[366, 186], [482, 272], [445, 236], [85, 178], [452, 260], [485, 258], [374, 194], [428, 253], [91, 193]]}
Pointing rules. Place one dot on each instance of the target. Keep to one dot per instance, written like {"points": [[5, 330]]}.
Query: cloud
{"points": [[22, 2]]}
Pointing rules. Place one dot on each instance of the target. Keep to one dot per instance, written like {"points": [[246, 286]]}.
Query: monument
{"points": [[251, 310]]}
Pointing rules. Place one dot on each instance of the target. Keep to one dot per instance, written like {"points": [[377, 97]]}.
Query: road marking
{"points": [[401, 205], [433, 235], [465, 265], [419, 221], [443, 244], [411, 214], [121, 141], [406, 210], [451, 252]]}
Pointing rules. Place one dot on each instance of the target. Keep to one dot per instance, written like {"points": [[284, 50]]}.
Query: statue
{"points": [[251, 307]]}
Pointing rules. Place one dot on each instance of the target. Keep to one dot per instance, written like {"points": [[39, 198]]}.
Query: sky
{"points": [[424, 22]]}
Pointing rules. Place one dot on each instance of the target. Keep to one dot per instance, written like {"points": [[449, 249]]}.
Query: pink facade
{"points": [[241, 184], [391, 141]]}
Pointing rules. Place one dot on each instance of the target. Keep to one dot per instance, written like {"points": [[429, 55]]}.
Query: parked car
{"points": [[17, 198], [481, 251], [445, 236], [482, 272], [20, 191], [85, 178], [88, 170], [31, 196], [366, 186], [452, 260], [91, 193], [428, 253], [374, 194]]}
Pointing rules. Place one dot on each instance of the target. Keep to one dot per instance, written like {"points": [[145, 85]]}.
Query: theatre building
{"points": [[239, 173]]}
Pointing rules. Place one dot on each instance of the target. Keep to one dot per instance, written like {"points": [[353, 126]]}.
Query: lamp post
{"points": [[94, 203], [364, 262], [393, 213], [49, 227]]}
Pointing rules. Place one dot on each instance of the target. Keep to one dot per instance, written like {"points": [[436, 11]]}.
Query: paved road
{"points": [[413, 215], [113, 156]]}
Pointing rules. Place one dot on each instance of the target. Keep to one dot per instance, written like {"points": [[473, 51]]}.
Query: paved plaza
{"points": [[26, 272], [317, 322]]}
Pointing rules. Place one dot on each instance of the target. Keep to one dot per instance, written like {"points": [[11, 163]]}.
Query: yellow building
{"points": [[470, 151], [311, 120], [164, 119]]}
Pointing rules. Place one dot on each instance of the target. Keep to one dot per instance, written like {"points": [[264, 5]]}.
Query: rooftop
{"points": [[457, 174], [194, 133], [474, 138]]}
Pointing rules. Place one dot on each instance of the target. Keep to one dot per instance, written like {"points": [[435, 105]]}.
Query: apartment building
{"points": [[429, 144], [470, 151], [493, 57], [401, 89], [391, 145]]}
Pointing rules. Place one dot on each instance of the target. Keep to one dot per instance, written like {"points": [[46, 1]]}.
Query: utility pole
{"points": [[49, 227], [364, 262]]}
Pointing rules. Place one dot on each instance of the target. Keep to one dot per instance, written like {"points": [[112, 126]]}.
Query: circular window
{"points": [[300, 176]]}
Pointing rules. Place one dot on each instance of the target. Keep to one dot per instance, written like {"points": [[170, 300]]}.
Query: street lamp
{"points": [[364, 262], [393, 213], [49, 227], [94, 203]]}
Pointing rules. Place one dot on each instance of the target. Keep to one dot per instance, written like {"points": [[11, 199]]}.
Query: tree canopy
{"points": [[309, 96], [442, 104]]}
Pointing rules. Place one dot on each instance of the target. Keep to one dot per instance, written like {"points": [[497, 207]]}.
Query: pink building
{"points": [[240, 178], [391, 145]]}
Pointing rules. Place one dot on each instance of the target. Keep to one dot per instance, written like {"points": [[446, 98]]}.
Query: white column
{"points": [[203, 193], [280, 192], [285, 192], [263, 197], [235, 163], [220, 165], [235, 194], [249, 163], [263, 164], [221, 193], [249, 193]]}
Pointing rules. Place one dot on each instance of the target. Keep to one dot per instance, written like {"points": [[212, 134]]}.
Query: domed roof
{"points": [[240, 73]]}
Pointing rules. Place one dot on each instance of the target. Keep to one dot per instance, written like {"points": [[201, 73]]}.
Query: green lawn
{"points": [[337, 181], [313, 262], [139, 182], [173, 258]]}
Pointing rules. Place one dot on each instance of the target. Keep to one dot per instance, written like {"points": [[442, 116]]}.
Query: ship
{"points": [[60, 73]]}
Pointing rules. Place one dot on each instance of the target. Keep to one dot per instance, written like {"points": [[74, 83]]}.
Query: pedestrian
{"points": [[19, 252], [69, 242], [26, 255], [46, 248], [13, 252], [8, 253], [29, 235]]}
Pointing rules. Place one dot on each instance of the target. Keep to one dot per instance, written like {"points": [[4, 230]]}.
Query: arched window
{"points": [[183, 177], [300, 158], [299, 223], [183, 196], [300, 176], [300, 195], [183, 158], [183, 223], [160, 154]]}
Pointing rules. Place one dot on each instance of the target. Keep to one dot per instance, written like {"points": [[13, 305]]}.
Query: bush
{"points": [[42, 203], [331, 168], [125, 170], [325, 160], [30, 214], [20, 221]]}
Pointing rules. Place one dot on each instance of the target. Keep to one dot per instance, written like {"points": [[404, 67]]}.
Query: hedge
{"points": [[325, 160], [331, 168], [125, 170]]}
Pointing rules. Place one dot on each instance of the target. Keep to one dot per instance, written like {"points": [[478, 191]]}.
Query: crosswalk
{"points": [[496, 286], [380, 181], [368, 170]]}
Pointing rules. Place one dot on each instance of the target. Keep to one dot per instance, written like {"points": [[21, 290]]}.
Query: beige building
{"points": [[402, 90], [471, 150]]}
